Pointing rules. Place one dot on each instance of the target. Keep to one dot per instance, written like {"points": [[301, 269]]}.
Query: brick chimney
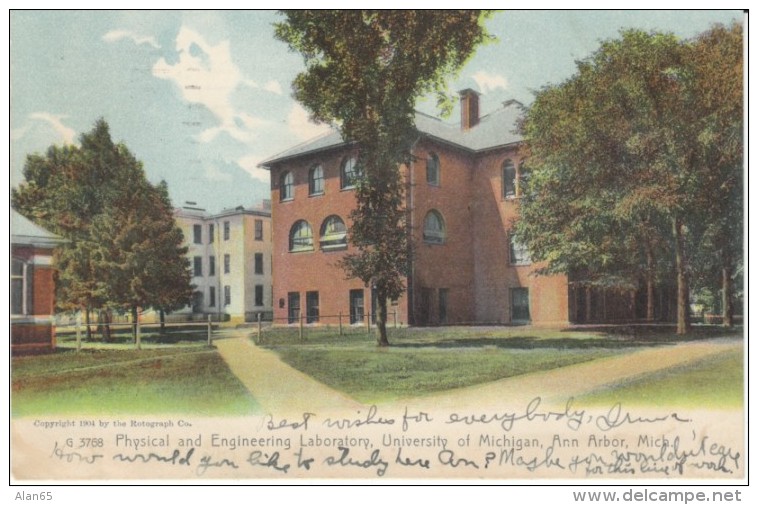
{"points": [[469, 108]]}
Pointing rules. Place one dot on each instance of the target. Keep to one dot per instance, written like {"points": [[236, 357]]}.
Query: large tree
{"points": [[123, 247], [616, 156], [364, 72]]}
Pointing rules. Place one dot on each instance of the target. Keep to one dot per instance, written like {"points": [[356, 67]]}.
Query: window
{"points": [[293, 307], [356, 306], [520, 305], [197, 266], [509, 179], [442, 305], [227, 263], [227, 295], [197, 231], [259, 295], [197, 302], [18, 287], [259, 263], [211, 233], [226, 230], [348, 173], [301, 237], [519, 253], [259, 229], [333, 233], [211, 266], [311, 307], [433, 169], [286, 186], [212, 296], [434, 228], [316, 180]]}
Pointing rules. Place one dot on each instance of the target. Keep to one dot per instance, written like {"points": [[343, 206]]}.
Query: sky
{"points": [[201, 97]]}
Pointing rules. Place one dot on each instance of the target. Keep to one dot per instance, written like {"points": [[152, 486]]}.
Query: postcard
{"points": [[208, 284]]}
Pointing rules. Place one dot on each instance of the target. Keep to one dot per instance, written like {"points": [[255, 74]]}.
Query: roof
{"points": [[494, 130], [25, 232]]}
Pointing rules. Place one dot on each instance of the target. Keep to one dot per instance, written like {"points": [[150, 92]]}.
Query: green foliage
{"points": [[364, 71], [123, 247]]}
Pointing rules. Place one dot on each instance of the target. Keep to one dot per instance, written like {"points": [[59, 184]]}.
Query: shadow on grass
{"points": [[656, 333], [518, 342]]}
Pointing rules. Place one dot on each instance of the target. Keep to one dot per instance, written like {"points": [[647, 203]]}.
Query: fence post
{"points": [[139, 331], [210, 330], [368, 323], [259, 327], [394, 315], [300, 328], [340, 321], [79, 332]]}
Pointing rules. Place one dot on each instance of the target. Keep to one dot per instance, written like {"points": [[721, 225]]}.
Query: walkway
{"points": [[282, 389]]}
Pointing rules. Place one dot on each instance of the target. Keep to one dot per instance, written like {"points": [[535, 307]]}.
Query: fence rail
{"points": [[342, 324]]}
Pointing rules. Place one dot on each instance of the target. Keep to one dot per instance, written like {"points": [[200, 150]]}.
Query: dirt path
{"points": [[282, 389], [277, 386]]}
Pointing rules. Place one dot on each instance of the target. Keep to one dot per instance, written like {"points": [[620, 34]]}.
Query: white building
{"points": [[230, 255]]}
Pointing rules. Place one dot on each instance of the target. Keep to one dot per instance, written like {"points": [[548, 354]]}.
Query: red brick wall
{"points": [[28, 334]]}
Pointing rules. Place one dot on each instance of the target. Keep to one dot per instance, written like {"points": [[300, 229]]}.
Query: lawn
{"points": [[714, 382], [174, 380], [422, 361]]}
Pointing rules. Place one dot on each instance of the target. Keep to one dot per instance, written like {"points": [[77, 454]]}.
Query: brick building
{"points": [[462, 192], [32, 286], [230, 255]]}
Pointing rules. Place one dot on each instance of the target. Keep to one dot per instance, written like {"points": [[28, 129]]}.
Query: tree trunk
{"points": [[104, 319], [682, 291], [87, 323], [134, 323], [381, 321], [163, 320], [727, 302], [650, 310]]}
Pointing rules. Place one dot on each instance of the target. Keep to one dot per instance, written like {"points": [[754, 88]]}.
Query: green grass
{"points": [[714, 382], [181, 380]]}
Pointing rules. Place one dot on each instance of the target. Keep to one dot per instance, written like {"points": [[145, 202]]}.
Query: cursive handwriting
{"points": [[208, 462], [370, 417], [344, 459], [271, 425], [176, 458], [573, 418], [258, 458], [71, 457], [617, 417]]}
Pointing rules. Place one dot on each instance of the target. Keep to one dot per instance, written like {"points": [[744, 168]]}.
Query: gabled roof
{"points": [[24, 232], [494, 130]]}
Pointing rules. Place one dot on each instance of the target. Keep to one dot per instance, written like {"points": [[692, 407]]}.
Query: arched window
{"points": [[301, 237], [333, 233], [286, 186], [348, 173], [434, 228], [316, 180], [509, 179], [433, 169], [18, 287]]}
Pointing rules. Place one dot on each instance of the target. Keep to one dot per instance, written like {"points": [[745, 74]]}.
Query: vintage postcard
{"points": [[545, 284]]}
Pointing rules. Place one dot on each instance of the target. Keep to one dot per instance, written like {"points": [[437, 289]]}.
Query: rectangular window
{"points": [[212, 296], [259, 263], [18, 273], [293, 307], [211, 233], [433, 170], [197, 231], [226, 230], [227, 263], [311, 306], [197, 264], [259, 295], [258, 229], [519, 253], [520, 305], [227, 295], [356, 306], [442, 299], [211, 266]]}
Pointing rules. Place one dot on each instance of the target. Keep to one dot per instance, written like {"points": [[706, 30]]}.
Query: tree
{"points": [[616, 151], [364, 72], [124, 249]]}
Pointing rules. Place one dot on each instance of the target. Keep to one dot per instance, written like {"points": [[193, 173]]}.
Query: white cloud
{"points": [[250, 165], [206, 74], [116, 35], [64, 132], [300, 124], [273, 86], [489, 82], [213, 173]]}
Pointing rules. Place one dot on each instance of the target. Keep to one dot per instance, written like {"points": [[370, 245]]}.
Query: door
{"points": [[520, 305]]}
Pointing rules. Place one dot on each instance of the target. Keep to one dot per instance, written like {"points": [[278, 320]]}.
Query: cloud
{"points": [[489, 82], [206, 74], [116, 35], [273, 86], [250, 165], [64, 132], [300, 124], [213, 173]]}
